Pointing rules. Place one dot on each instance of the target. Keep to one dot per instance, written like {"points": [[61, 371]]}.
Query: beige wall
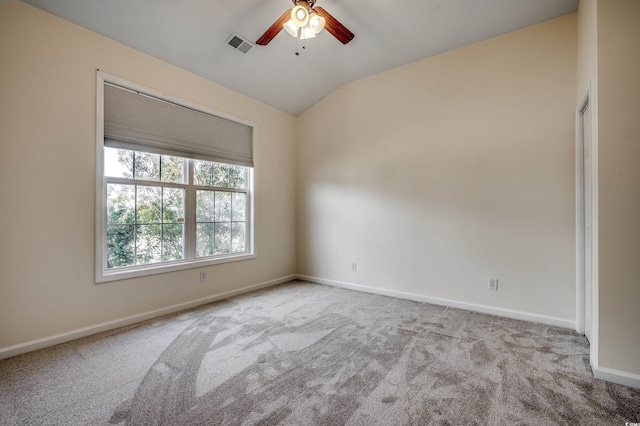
{"points": [[618, 32], [47, 165], [439, 174]]}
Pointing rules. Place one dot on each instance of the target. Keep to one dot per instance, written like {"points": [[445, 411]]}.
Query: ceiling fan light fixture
{"points": [[316, 22], [306, 32], [291, 28], [300, 14]]}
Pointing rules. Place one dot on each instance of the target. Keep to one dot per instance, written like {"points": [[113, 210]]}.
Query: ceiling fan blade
{"points": [[334, 26], [274, 29]]}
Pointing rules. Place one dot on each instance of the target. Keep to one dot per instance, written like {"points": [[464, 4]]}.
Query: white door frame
{"points": [[589, 98]]}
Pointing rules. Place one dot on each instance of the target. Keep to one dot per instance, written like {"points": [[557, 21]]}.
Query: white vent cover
{"points": [[240, 43]]}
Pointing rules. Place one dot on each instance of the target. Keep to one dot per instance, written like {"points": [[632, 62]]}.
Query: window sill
{"points": [[143, 271]]}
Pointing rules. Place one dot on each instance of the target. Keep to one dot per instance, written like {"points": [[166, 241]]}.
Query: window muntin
{"points": [[147, 221]]}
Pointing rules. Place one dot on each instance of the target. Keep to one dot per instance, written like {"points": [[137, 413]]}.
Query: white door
{"points": [[586, 196]]}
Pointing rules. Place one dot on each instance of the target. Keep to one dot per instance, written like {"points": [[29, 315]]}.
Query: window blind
{"points": [[137, 121]]}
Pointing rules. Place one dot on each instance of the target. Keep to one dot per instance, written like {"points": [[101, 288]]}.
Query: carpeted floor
{"points": [[306, 354]]}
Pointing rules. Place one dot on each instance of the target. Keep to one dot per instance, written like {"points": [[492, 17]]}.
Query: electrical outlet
{"points": [[203, 276], [354, 266], [493, 284]]}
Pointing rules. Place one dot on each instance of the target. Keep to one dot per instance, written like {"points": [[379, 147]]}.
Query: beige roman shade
{"points": [[140, 122]]}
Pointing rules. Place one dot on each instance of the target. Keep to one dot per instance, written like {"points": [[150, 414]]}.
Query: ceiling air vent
{"points": [[240, 43]]}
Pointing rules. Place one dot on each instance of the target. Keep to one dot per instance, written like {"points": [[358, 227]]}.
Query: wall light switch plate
{"points": [[493, 284]]}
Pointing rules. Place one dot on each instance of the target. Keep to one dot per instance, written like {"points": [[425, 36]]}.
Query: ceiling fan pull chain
{"points": [[298, 40]]}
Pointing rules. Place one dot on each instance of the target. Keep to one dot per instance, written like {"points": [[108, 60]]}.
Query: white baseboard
{"points": [[525, 316], [110, 325], [616, 376]]}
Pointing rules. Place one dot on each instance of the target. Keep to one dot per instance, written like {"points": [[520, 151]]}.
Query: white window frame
{"points": [[105, 275]]}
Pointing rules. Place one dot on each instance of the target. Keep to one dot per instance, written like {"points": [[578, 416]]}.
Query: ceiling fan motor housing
{"points": [[311, 3]]}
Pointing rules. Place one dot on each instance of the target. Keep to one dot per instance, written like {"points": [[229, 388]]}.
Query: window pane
{"points": [[237, 176], [173, 205], [222, 238], [204, 239], [220, 175], [238, 237], [172, 242], [238, 206], [120, 248], [146, 197], [148, 244], [172, 169], [149, 204], [222, 211], [118, 163], [202, 172], [120, 203], [204, 206], [147, 166]]}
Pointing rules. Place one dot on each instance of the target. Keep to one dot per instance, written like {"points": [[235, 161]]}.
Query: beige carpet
{"points": [[305, 354]]}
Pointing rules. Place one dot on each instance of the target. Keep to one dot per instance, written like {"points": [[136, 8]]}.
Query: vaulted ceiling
{"points": [[192, 34]]}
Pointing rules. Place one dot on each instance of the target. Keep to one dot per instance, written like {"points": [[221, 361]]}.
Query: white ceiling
{"points": [[192, 33]]}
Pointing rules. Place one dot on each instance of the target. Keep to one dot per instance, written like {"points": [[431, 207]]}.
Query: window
{"points": [[164, 204]]}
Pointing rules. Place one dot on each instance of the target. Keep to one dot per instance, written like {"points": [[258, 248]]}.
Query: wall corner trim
{"points": [[45, 342]]}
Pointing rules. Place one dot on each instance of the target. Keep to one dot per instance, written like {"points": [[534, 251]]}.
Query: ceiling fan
{"points": [[304, 21]]}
